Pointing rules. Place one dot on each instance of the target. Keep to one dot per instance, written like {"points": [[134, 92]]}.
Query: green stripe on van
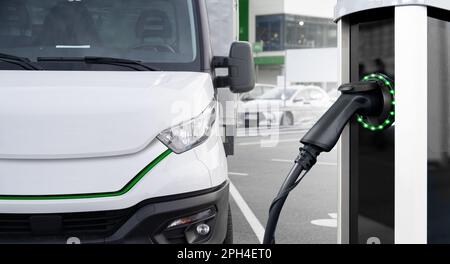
{"points": [[120, 192]]}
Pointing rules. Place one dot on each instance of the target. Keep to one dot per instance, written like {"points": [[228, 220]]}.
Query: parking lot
{"points": [[258, 168]]}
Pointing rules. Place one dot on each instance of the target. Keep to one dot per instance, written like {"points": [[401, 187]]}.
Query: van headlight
{"points": [[190, 134]]}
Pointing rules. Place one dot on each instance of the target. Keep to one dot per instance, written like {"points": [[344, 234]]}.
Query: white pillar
{"points": [[411, 78]]}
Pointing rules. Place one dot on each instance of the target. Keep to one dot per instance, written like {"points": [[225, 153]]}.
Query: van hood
{"points": [[58, 114]]}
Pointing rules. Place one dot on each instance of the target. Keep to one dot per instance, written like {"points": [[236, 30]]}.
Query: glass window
{"points": [[302, 95], [153, 31], [280, 32], [257, 91], [269, 31], [309, 32]]}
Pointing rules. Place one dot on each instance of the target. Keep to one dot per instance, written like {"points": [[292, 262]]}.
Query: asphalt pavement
{"points": [[257, 170]]}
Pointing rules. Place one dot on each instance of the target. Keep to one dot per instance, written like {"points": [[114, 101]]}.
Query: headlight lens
{"points": [[190, 134]]}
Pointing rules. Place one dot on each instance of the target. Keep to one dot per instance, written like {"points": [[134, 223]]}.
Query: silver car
{"points": [[257, 92], [301, 106]]}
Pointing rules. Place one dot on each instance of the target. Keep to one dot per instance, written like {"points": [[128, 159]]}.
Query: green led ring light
{"points": [[388, 117]]}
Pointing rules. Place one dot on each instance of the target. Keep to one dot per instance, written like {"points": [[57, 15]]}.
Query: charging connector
{"points": [[372, 98]]}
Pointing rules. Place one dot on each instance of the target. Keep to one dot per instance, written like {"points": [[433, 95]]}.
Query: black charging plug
{"points": [[365, 98]]}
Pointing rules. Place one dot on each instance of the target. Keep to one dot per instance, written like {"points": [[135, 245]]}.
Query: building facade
{"points": [[274, 26]]}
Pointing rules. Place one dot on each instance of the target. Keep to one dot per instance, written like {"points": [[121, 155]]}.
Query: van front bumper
{"points": [[146, 223]]}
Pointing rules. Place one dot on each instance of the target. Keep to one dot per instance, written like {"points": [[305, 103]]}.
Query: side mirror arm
{"points": [[221, 62]]}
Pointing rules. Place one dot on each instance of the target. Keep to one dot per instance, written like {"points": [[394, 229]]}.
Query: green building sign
{"points": [[244, 20]]}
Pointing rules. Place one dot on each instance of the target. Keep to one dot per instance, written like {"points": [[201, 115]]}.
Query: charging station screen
{"points": [[372, 48], [438, 127]]}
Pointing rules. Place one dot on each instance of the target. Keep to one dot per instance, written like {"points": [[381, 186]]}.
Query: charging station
{"points": [[394, 177]]}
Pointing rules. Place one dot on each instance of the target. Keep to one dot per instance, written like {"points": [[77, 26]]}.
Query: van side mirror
{"points": [[241, 69]]}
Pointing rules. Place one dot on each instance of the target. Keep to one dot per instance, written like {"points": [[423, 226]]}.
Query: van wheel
{"points": [[287, 119], [229, 237]]}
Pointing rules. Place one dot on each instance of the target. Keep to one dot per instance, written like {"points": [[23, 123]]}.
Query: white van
{"points": [[109, 127]]}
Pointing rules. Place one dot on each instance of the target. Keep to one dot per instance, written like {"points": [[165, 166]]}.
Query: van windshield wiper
{"points": [[133, 64], [25, 63]]}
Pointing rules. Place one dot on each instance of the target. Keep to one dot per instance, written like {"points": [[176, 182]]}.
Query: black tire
{"points": [[287, 119], [229, 236]]}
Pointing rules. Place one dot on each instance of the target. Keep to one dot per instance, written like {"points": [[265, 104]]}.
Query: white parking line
{"points": [[252, 220], [237, 174], [318, 163], [332, 222]]}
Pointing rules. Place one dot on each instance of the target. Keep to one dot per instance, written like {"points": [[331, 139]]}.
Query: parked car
{"points": [[258, 91], [296, 105], [334, 94]]}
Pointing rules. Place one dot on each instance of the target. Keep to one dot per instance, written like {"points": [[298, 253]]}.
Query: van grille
{"points": [[92, 224]]}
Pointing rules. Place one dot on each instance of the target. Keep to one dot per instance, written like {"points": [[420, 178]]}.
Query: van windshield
{"points": [[159, 32]]}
